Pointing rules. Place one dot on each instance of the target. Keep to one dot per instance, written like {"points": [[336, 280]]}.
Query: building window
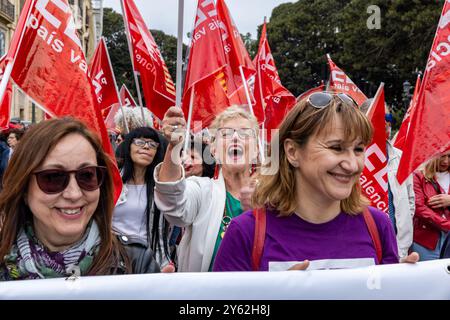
{"points": [[2, 42]]}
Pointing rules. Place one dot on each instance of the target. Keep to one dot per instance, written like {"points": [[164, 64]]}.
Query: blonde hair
{"points": [[231, 113], [430, 167], [302, 122]]}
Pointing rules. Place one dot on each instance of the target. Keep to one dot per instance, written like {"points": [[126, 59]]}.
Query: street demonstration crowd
{"points": [[216, 206]]}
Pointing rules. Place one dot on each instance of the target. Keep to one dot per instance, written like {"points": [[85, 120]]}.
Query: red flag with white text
{"points": [[206, 77], [237, 58], [373, 179], [5, 107], [429, 129], [270, 95], [126, 98], [403, 131], [157, 84], [51, 68], [102, 77], [340, 82]]}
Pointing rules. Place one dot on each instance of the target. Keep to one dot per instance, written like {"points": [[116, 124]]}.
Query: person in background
{"points": [[137, 220], [401, 196], [431, 220], [205, 206], [13, 138], [56, 208], [199, 161], [312, 205]]}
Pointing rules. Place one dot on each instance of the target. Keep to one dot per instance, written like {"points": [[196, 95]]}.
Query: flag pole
{"points": [[115, 86], [10, 64], [249, 101], [327, 88], [179, 52], [136, 80], [188, 125]]}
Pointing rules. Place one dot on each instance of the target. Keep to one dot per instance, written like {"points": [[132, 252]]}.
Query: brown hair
{"points": [[303, 121], [30, 153]]}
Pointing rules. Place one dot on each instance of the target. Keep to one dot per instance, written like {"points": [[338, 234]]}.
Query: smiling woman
{"points": [[56, 208], [312, 208], [137, 220]]}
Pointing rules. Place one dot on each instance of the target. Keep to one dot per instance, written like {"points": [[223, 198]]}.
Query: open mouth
{"points": [[235, 152], [71, 213]]}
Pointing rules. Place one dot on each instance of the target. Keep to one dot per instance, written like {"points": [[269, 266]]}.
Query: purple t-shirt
{"points": [[294, 239]]}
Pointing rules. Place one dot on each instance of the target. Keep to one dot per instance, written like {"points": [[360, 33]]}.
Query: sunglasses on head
{"points": [[53, 181], [320, 100]]}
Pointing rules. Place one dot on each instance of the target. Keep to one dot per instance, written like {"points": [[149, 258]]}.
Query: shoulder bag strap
{"points": [[373, 230], [260, 235]]}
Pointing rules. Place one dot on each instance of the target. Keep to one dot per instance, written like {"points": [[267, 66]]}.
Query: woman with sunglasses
{"points": [[311, 208], [202, 205], [56, 208], [137, 220]]}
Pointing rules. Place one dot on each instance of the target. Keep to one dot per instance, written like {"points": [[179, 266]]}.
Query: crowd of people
{"points": [[214, 206]]}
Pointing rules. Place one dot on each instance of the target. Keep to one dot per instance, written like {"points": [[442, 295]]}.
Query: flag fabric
{"points": [[429, 130], [50, 67], [237, 59], [102, 77], [126, 98], [5, 107], [270, 95], [403, 131], [157, 84], [311, 91], [373, 179], [109, 116], [206, 77], [340, 82]]}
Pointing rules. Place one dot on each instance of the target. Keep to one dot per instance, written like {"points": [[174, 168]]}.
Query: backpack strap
{"points": [[260, 235], [373, 230]]}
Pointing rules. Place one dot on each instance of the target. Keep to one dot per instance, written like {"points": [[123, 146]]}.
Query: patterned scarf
{"points": [[30, 259]]}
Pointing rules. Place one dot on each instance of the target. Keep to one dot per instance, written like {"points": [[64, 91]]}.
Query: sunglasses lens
{"points": [[320, 100], [52, 181], [90, 178], [347, 99]]}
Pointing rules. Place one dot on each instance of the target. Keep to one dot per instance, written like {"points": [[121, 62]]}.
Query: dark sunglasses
{"points": [[53, 181], [320, 100]]}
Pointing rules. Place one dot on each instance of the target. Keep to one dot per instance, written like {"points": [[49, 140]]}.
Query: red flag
{"points": [[340, 82], [51, 68], [109, 118], [103, 77], [311, 91], [205, 76], [374, 183], [126, 98], [237, 59], [270, 95], [429, 130], [403, 131], [157, 84], [5, 107]]}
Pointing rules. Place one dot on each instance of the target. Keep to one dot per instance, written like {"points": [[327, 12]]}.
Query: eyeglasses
{"points": [[320, 100], [56, 180], [142, 143], [243, 133]]}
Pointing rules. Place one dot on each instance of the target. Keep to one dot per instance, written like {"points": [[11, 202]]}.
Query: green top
{"points": [[232, 209]]}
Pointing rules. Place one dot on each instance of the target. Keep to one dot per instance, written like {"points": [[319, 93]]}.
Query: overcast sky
{"points": [[163, 14]]}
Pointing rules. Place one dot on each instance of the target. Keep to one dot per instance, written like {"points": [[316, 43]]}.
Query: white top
{"points": [[443, 178], [129, 218]]}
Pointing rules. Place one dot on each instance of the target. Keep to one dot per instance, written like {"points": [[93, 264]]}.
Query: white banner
{"points": [[424, 280]]}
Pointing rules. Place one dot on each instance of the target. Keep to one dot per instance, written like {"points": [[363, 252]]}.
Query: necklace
{"points": [[226, 219]]}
